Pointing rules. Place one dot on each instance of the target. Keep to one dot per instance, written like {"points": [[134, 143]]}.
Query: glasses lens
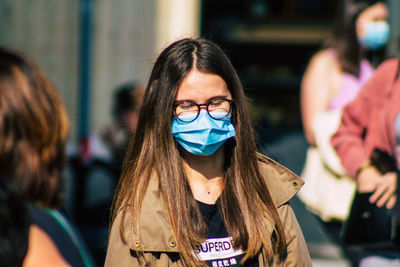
{"points": [[219, 108], [187, 111]]}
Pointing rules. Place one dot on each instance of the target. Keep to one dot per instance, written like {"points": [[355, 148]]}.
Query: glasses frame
{"points": [[230, 101]]}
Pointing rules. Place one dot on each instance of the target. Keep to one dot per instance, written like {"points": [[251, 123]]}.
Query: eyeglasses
{"points": [[217, 108]]}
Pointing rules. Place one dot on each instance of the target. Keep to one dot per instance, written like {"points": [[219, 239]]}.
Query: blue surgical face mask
{"points": [[204, 135], [376, 35]]}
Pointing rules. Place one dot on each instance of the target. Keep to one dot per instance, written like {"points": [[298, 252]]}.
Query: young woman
{"points": [[193, 190]]}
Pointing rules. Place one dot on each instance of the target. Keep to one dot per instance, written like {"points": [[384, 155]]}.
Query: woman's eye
{"points": [[216, 103], [187, 105]]}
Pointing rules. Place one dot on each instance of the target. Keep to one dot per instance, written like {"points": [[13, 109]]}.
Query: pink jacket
{"points": [[368, 121]]}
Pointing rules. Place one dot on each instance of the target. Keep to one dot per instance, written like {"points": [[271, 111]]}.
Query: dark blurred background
{"points": [[270, 43]]}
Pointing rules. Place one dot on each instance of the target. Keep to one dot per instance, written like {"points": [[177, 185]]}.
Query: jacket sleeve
{"points": [[297, 252], [348, 140]]}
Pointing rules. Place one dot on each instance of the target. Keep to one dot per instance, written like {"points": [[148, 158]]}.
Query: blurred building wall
{"points": [[176, 19], [127, 35], [46, 31], [123, 49]]}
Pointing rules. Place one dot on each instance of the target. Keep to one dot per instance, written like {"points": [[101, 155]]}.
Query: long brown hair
{"points": [[246, 204], [33, 130], [344, 37]]}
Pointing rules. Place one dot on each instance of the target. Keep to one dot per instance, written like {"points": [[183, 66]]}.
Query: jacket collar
{"points": [[155, 233], [282, 183]]}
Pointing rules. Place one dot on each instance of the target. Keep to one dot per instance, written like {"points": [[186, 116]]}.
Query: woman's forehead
{"points": [[201, 86], [377, 11]]}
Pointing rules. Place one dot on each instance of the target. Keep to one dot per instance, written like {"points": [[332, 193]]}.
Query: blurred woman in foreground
{"points": [[33, 132]]}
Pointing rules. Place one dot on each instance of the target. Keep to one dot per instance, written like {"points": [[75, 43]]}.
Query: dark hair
{"points": [[124, 98], [344, 37], [246, 204], [14, 227], [33, 130]]}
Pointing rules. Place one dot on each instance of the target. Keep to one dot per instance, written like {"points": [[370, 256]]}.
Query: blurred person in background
{"points": [[125, 112], [370, 122], [94, 171], [333, 78], [193, 190], [33, 132]]}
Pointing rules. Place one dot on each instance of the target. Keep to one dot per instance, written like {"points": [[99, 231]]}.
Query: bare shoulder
{"points": [[325, 60], [42, 251], [323, 69]]}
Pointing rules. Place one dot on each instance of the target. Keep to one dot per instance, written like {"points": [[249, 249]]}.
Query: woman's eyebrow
{"points": [[208, 100], [218, 96]]}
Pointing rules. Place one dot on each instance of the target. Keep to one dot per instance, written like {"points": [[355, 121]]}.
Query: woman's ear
{"points": [[360, 29]]}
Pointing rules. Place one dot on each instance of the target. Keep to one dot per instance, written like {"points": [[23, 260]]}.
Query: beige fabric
{"points": [[325, 125], [157, 242], [328, 191]]}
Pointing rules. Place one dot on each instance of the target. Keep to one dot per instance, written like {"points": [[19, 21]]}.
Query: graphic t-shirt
{"points": [[218, 250]]}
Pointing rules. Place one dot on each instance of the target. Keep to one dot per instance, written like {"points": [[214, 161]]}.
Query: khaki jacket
{"points": [[157, 240]]}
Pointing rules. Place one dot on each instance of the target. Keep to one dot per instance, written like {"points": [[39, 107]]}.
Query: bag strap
{"points": [[59, 218]]}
